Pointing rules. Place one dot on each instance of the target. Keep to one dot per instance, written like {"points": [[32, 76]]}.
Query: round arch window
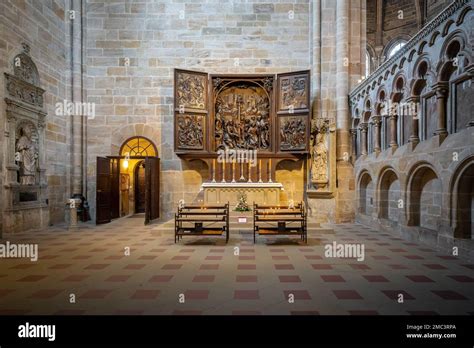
{"points": [[138, 146], [395, 47]]}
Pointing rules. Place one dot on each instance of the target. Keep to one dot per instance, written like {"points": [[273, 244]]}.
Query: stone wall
{"points": [[417, 170], [132, 49], [42, 25]]}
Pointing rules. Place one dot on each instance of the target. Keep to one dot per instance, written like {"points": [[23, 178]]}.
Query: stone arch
{"points": [[462, 200], [389, 194], [366, 190], [424, 192], [122, 134], [24, 68]]}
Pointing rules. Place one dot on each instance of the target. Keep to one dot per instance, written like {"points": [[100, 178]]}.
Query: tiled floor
{"points": [[206, 276]]}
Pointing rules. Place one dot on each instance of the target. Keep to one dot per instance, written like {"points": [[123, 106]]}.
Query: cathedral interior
{"points": [[264, 157]]}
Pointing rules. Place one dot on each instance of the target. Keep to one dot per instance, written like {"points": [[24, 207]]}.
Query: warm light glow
{"points": [[125, 164]]}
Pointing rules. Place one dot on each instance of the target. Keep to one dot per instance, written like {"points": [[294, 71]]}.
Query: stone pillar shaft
{"points": [[377, 123], [363, 138], [414, 136], [393, 131], [441, 89]]}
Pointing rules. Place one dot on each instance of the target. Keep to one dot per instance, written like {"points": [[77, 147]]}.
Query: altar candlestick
{"points": [[270, 171], [233, 171], [223, 170], [242, 178], [250, 173], [260, 172], [213, 170]]}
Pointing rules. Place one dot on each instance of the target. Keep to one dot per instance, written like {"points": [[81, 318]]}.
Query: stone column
{"points": [[442, 89], [363, 138], [342, 78], [415, 128], [393, 130], [377, 121], [354, 144]]}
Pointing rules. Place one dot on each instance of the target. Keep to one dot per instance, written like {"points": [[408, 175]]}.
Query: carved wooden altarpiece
{"points": [[264, 112]]}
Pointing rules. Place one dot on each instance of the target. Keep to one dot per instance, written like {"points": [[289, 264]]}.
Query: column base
{"points": [[439, 137], [413, 143]]}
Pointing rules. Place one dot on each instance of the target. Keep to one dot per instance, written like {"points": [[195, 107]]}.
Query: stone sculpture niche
{"points": [[25, 185]]}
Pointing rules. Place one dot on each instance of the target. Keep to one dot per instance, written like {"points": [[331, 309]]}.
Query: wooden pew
{"points": [[280, 220], [202, 220]]}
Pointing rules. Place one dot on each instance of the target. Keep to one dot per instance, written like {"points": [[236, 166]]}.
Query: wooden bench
{"points": [[272, 220], [202, 220]]}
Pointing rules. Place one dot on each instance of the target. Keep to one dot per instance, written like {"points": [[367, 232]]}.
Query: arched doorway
{"points": [[389, 191], [365, 194], [129, 183], [464, 203], [140, 187]]}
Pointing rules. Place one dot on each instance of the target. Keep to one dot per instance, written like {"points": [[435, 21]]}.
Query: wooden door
{"points": [[152, 179], [103, 212], [140, 187], [114, 188]]}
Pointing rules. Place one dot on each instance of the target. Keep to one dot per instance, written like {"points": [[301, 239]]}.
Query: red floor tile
{"points": [[449, 295], [321, 266], [135, 266], [284, 266], [462, 278], [332, 279], [375, 278], [46, 293], [214, 258], [196, 295], [32, 278], [246, 295], [347, 295], [298, 294], [393, 294], [97, 266], [280, 257], [172, 266], [143, 294], [75, 278], [95, 294], [289, 279], [118, 278], [209, 266], [160, 278], [420, 279], [203, 278], [246, 278], [435, 266], [180, 258], [246, 267], [359, 266]]}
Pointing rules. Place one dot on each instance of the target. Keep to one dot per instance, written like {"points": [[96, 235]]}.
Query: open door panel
{"points": [[103, 191], [114, 188], [190, 111], [293, 111], [152, 190]]}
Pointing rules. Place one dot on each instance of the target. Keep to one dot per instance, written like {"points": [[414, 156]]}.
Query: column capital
{"points": [[377, 120], [353, 131], [364, 126], [413, 99], [441, 88]]}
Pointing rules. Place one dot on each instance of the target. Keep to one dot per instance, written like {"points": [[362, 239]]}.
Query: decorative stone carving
{"points": [[319, 153], [293, 133], [24, 91], [242, 114], [190, 131]]}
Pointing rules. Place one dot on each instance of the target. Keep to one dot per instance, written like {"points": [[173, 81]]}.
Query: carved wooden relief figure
{"points": [[191, 91], [293, 133], [293, 92], [190, 131], [242, 117]]}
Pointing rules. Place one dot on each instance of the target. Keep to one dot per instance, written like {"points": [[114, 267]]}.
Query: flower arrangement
{"points": [[242, 205]]}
